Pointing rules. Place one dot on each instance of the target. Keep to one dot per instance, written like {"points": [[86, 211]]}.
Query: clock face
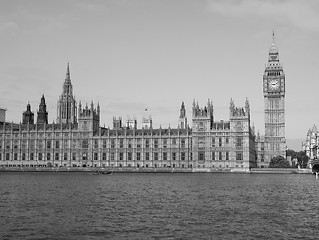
{"points": [[274, 84]]}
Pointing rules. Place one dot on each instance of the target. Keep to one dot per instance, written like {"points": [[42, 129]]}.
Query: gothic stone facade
{"points": [[77, 140], [80, 141]]}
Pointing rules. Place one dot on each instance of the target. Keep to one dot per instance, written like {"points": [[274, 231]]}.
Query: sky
{"points": [[132, 55]]}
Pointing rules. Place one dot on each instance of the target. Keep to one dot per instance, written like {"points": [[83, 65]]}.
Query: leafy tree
{"points": [[301, 156], [302, 159], [279, 162]]}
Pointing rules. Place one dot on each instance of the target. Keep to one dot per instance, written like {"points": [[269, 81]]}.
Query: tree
{"points": [[279, 162], [301, 156]]}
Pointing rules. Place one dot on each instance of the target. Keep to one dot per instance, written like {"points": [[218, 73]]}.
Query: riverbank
{"points": [[159, 170]]}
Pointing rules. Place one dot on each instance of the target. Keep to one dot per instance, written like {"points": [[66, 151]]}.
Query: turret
{"points": [[203, 116], [89, 118], [42, 113], [182, 122], [28, 116], [117, 123]]}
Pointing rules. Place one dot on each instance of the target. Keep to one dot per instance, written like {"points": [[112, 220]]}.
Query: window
{"points": [[129, 143], [96, 144], [112, 156], [220, 141], [65, 156], [165, 156], [48, 156], [104, 144], [95, 156], [40, 156], [85, 144], [227, 155], [213, 142], [213, 155], [201, 156], [174, 156], [48, 144], [174, 141], [121, 143], [239, 141], [147, 156], [155, 156], [121, 156], [147, 143], [220, 156], [66, 144], [16, 145], [57, 157], [104, 156], [138, 143], [239, 156], [31, 156], [182, 143], [57, 144], [15, 156], [129, 156], [112, 143], [8, 144], [74, 156], [164, 143], [32, 144], [138, 156], [182, 156], [156, 143]]}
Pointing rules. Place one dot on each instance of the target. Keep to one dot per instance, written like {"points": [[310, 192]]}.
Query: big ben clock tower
{"points": [[274, 97]]}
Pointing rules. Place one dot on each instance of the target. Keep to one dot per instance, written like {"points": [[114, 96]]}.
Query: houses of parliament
{"points": [[77, 139]]}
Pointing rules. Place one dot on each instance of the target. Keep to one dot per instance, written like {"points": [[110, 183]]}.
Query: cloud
{"points": [[300, 14]]}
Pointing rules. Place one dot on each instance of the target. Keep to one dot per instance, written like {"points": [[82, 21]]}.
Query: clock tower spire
{"points": [[274, 103]]}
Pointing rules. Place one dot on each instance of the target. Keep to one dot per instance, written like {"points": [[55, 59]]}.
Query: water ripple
{"points": [[158, 206]]}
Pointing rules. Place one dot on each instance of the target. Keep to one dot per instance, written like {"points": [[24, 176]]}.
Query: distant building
{"points": [[311, 146], [2, 115]]}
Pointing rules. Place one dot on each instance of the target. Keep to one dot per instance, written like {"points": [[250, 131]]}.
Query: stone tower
{"points": [[182, 121], [274, 103], [28, 116], [89, 118], [202, 123], [66, 109], [242, 135], [203, 118], [42, 113]]}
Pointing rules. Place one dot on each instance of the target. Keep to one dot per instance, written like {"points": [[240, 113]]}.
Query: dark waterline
{"points": [[158, 206]]}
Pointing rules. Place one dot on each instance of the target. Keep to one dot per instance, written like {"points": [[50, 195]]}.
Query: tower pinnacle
{"points": [[68, 77], [273, 49]]}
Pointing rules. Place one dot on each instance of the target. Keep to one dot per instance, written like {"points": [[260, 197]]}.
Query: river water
{"points": [[158, 206]]}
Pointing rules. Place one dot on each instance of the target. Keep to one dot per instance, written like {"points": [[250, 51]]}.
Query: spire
{"points": [[68, 77], [182, 111], [273, 49]]}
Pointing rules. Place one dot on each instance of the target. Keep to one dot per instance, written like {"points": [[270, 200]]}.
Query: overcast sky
{"points": [[129, 55]]}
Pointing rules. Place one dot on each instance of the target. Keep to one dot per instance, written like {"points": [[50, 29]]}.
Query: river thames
{"points": [[158, 206]]}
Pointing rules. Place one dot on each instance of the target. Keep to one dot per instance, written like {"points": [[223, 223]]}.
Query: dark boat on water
{"points": [[102, 172]]}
